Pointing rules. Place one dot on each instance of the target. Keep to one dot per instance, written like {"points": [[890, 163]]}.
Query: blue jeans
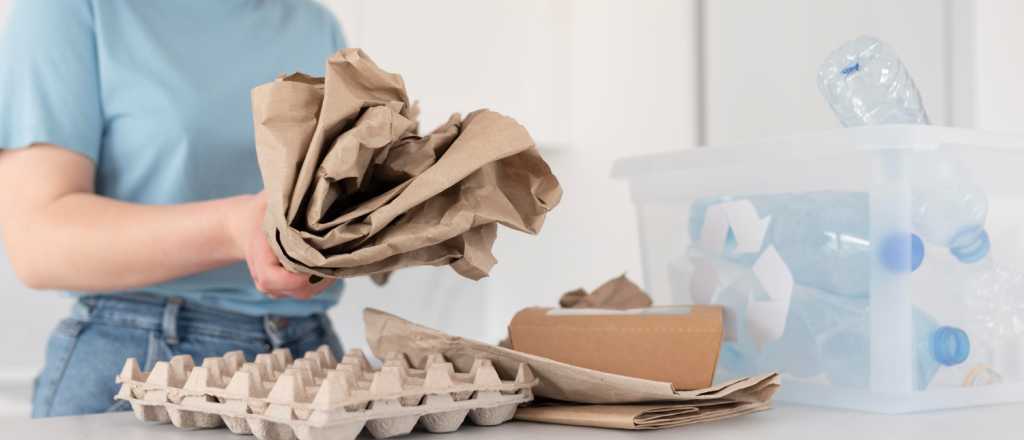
{"points": [[89, 348]]}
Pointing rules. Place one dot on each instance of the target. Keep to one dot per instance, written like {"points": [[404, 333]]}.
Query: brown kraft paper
{"points": [[353, 190], [638, 416]]}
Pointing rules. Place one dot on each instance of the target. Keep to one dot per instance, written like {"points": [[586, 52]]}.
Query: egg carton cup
{"points": [[316, 397]]}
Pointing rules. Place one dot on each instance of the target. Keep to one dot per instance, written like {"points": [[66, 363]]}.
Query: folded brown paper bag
{"points": [[638, 416], [387, 333], [353, 190]]}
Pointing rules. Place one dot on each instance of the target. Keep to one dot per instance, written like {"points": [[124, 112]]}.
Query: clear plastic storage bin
{"points": [[827, 252]]}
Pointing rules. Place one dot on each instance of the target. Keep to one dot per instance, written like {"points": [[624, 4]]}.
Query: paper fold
{"points": [[638, 416]]}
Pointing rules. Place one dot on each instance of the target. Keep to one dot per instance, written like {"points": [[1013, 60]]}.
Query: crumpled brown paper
{"points": [[617, 293], [353, 190]]}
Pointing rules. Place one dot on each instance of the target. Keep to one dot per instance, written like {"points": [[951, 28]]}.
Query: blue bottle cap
{"points": [[897, 251], [950, 345], [970, 245]]}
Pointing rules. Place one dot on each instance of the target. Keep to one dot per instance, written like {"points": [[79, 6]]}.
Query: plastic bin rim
{"points": [[894, 137]]}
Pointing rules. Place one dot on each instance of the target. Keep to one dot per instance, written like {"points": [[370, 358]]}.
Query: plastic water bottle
{"points": [[846, 361], [813, 315], [949, 209], [829, 334], [994, 306], [824, 238], [865, 83]]}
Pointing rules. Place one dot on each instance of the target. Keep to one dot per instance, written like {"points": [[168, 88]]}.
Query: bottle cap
{"points": [[950, 345], [970, 245], [898, 251]]}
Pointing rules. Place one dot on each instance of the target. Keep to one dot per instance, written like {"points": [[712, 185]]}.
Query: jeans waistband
{"points": [[175, 317]]}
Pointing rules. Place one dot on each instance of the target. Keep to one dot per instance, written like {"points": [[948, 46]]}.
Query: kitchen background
{"points": [[595, 80]]}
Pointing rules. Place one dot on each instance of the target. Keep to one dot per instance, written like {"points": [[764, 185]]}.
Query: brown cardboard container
{"points": [[676, 344]]}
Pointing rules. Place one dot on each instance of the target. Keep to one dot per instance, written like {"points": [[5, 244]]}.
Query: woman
{"points": [[129, 178]]}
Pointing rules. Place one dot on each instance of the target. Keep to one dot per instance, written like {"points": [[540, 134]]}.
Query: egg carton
{"points": [[316, 397]]}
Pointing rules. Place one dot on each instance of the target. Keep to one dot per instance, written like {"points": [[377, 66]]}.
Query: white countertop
{"points": [[783, 422]]}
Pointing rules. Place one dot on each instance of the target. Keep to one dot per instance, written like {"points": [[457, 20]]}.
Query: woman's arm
{"points": [[60, 235]]}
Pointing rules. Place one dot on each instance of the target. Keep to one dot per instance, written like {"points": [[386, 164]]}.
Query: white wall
{"points": [[632, 76], [456, 56], [762, 59], [28, 317], [998, 65]]}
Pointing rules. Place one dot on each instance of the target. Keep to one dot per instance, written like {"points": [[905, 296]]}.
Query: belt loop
{"points": [[169, 326], [82, 309]]}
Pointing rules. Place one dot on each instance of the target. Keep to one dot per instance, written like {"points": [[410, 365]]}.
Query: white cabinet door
{"points": [[998, 64]]}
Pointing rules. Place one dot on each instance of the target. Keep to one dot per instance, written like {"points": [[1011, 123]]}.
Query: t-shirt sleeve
{"points": [[337, 35], [49, 81]]}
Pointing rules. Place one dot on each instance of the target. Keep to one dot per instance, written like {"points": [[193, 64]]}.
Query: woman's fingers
{"points": [[312, 289], [268, 274], [309, 291], [273, 279], [306, 292]]}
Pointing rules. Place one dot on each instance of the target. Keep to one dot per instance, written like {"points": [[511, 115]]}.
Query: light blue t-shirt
{"points": [[156, 93]]}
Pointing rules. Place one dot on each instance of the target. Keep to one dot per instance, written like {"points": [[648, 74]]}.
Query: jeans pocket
{"points": [[59, 349]]}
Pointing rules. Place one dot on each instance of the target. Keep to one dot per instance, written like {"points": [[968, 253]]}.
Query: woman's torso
{"points": [[174, 82]]}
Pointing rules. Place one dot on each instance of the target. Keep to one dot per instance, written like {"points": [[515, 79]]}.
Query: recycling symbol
{"points": [[761, 291]]}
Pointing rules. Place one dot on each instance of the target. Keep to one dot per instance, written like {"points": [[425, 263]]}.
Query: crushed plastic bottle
{"points": [[829, 334], [997, 302], [865, 83], [949, 209], [823, 236], [814, 316], [994, 304], [846, 353]]}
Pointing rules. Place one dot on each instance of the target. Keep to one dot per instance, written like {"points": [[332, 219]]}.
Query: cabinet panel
{"points": [[762, 59]]}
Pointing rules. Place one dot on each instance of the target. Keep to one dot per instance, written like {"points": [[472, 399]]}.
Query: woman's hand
{"points": [[269, 276]]}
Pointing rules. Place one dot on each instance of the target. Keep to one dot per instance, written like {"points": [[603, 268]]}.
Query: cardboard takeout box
{"points": [[676, 344]]}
